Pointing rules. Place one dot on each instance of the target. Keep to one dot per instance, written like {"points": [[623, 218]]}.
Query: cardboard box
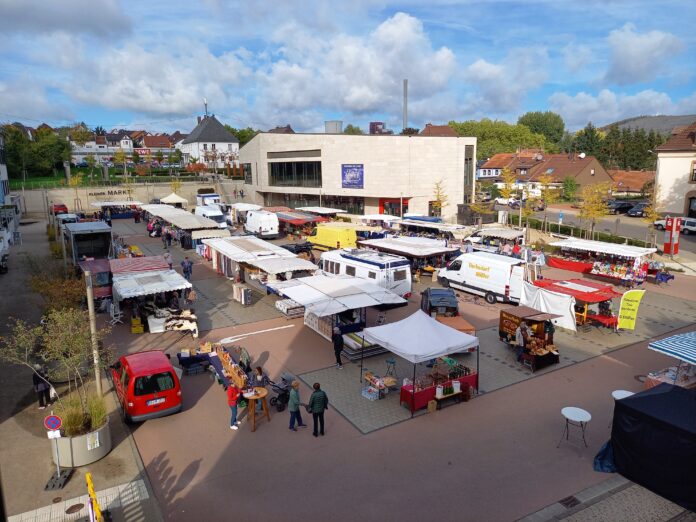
{"points": [[432, 406]]}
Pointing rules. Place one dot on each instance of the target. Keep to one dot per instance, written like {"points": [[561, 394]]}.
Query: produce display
{"points": [[232, 370], [381, 383]]}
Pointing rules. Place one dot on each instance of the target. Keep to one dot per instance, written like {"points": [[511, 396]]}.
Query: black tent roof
{"points": [[670, 406], [210, 130]]}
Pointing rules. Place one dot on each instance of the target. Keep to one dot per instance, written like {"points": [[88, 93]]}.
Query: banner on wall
{"points": [[628, 312], [352, 176]]}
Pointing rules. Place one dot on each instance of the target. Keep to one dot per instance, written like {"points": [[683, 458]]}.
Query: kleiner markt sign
{"points": [[119, 192]]}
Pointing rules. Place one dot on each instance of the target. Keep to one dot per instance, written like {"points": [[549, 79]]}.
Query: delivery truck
{"points": [[493, 276]]}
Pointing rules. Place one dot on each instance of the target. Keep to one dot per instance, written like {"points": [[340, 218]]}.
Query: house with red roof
{"points": [[675, 179]]}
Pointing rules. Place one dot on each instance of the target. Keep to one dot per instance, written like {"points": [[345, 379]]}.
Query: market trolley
{"points": [[540, 351]]}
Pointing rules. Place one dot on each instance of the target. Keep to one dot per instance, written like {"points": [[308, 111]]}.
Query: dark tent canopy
{"points": [[654, 441]]}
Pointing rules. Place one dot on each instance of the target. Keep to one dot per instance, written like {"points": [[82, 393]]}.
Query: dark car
{"points": [[638, 210], [539, 204], [620, 207], [442, 301], [298, 248]]}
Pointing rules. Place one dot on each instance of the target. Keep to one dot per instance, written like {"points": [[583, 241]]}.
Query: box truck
{"points": [[262, 224], [212, 212], [493, 276]]}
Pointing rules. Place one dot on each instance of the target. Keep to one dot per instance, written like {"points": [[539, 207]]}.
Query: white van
{"points": [[496, 277], [214, 213], [64, 219], [203, 200], [262, 224], [385, 270]]}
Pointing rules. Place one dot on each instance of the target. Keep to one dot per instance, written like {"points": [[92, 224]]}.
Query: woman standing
{"points": [[232, 398], [258, 380], [41, 386], [294, 406]]}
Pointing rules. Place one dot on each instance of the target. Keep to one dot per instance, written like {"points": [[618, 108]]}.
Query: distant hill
{"points": [[661, 124]]}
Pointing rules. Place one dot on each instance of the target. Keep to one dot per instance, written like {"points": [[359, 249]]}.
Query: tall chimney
{"points": [[405, 103]]}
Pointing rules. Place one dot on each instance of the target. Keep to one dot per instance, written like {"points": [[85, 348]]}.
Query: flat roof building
{"points": [[361, 174]]}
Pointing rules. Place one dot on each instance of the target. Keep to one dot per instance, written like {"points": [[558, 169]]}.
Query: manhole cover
{"points": [[57, 499], [569, 502], [75, 508]]}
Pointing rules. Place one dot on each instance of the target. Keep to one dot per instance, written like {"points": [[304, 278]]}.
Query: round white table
{"points": [[621, 394], [574, 417]]}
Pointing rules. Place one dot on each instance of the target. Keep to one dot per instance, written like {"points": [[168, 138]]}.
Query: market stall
{"points": [[419, 338], [174, 199], [322, 211], [337, 301], [683, 348], [628, 264], [178, 222], [101, 276], [423, 253], [118, 209], [592, 300], [447, 231], [292, 222], [491, 239], [540, 350], [253, 261]]}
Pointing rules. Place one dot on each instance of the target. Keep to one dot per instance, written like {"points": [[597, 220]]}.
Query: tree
{"points": [[508, 179], [548, 123], [353, 129], [177, 157], [588, 140], [80, 135], [570, 188], [409, 131], [120, 158], [99, 130], [91, 163], [549, 193], [49, 151], [159, 156], [243, 135], [440, 198], [17, 152], [594, 204], [135, 157], [498, 136]]}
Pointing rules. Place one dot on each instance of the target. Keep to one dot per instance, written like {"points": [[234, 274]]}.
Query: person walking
{"points": [[294, 406], [318, 403], [163, 237], [168, 259], [187, 267], [232, 398], [41, 386], [168, 237], [337, 339]]}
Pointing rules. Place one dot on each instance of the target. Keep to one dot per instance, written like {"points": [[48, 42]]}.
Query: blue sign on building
{"points": [[352, 176]]}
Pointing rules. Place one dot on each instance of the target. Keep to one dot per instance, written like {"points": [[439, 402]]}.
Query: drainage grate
{"points": [[569, 502], [75, 508]]}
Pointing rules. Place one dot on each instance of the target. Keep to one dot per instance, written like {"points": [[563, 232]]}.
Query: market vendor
{"points": [[549, 330], [521, 334], [258, 379]]}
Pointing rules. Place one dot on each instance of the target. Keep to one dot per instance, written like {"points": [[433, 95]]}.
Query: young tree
{"points": [[135, 157], [594, 206], [353, 129], [548, 123], [508, 179], [159, 156], [440, 197], [91, 163], [177, 156], [570, 188], [120, 158], [549, 194]]}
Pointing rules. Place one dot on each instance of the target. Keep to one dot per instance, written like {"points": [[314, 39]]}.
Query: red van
{"points": [[147, 386]]}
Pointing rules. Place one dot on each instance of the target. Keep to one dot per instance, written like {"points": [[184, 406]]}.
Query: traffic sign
{"points": [[53, 422]]}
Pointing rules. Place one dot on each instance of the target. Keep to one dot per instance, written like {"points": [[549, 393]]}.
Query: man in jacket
{"points": [[187, 268], [337, 339], [232, 397], [41, 386], [318, 403], [294, 406]]}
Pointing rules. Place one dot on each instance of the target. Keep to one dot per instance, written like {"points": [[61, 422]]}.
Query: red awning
{"points": [[95, 266], [138, 264], [299, 218], [580, 289]]}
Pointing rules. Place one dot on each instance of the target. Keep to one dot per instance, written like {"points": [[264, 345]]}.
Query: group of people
{"points": [[257, 378]]}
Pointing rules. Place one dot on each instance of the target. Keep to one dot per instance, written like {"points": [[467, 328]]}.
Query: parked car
{"points": [[147, 386], [59, 208], [505, 201], [688, 226], [539, 204], [619, 207], [82, 164], [638, 210], [298, 248]]}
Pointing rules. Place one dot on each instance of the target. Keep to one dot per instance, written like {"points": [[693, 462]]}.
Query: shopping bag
{"points": [[52, 393]]}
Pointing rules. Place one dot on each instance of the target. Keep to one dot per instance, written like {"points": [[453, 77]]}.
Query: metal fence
{"points": [[18, 184]]}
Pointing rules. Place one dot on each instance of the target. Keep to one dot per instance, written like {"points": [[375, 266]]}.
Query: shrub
{"points": [[56, 249], [96, 408], [75, 422], [51, 232]]}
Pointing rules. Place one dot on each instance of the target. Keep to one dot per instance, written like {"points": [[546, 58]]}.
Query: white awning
{"points": [[409, 246], [321, 210], [420, 338], [210, 233], [173, 199], [244, 207], [119, 203], [322, 295], [502, 233], [379, 217], [443, 227], [243, 249], [135, 284], [179, 217], [601, 247], [280, 265]]}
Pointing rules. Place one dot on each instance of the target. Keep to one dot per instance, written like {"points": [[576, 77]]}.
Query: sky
{"points": [[149, 64]]}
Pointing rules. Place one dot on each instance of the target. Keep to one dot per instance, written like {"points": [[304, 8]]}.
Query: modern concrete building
{"points": [[360, 173], [676, 173]]}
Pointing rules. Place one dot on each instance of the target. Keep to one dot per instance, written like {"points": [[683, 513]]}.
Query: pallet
{"points": [[58, 481]]}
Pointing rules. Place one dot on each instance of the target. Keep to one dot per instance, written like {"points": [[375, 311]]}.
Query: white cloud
{"points": [[502, 87], [608, 106], [577, 57], [636, 57], [103, 18], [25, 99]]}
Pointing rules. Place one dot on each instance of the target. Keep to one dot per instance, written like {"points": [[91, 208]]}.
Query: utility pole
{"points": [[93, 331], [59, 230]]}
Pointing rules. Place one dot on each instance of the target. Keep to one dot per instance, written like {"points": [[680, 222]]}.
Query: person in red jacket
{"points": [[232, 397]]}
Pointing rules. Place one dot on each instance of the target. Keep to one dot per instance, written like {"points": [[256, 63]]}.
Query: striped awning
{"points": [[682, 347], [138, 264]]}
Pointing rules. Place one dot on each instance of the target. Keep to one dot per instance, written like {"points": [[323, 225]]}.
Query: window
{"points": [[400, 275], [372, 275], [156, 383], [205, 146], [456, 265], [549, 171], [246, 167], [350, 270], [229, 146], [693, 172], [295, 174], [212, 146]]}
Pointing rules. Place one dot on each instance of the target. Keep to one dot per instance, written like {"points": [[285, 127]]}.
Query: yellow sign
{"points": [[628, 312], [95, 512]]}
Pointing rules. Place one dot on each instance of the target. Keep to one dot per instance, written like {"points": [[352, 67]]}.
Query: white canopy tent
{"points": [[409, 246], [379, 217], [180, 218], [615, 249], [244, 207], [550, 302], [134, 284], [321, 210], [210, 233], [501, 233], [119, 203], [323, 296], [173, 199]]}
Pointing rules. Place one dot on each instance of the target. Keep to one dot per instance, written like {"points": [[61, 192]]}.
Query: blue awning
{"points": [[682, 346]]}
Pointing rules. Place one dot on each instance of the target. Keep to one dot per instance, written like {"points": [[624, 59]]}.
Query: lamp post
{"points": [[93, 331]]}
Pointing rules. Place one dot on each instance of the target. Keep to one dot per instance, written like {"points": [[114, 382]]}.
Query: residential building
{"points": [[675, 179], [282, 130], [632, 182], [378, 127], [177, 137], [210, 143], [359, 173], [442, 131]]}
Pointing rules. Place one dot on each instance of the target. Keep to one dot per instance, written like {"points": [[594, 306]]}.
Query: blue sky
{"points": [[266, 63]]}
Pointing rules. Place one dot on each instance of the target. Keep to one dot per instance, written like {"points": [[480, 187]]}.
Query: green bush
{"points": [[96, 407], [51, 233], [75, 422], [56, 250]]}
